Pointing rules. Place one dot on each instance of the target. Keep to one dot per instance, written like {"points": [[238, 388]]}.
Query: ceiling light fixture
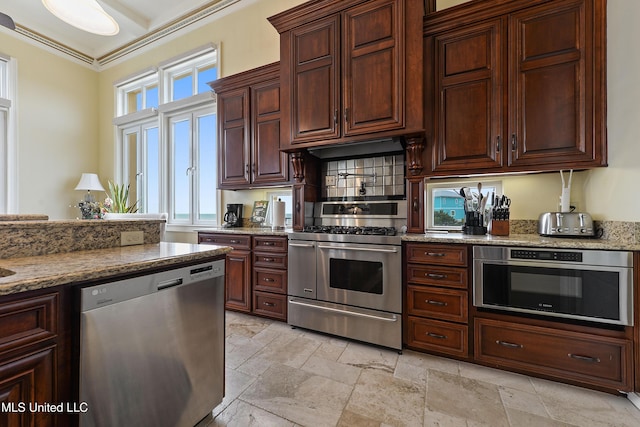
{"points": [[86, 15]]}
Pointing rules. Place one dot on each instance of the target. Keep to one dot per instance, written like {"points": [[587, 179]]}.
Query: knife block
{"points": [[499, 227]]}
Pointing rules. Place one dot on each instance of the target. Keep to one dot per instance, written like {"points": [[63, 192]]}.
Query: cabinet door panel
{"points": [[315, 92], [550, 84], [233, 144], [28, 379], [238, 281], [269, 165], [373, 64], [468, 94]]}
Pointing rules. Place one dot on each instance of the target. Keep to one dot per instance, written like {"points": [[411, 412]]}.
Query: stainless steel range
{"points": [[345, 274]]}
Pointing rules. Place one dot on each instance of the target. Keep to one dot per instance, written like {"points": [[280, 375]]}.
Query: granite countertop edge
{"points": [[46, 271]]}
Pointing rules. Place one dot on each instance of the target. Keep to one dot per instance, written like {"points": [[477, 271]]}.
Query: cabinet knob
{"points": [[513, 142], [415, 204], [498, 144]]}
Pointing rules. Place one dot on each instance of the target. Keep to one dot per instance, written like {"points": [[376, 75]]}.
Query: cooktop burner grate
{"points": [[338, 229]]}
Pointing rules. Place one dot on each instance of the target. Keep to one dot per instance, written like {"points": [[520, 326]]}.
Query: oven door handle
{"points": [[349, 248], [348, 313]]}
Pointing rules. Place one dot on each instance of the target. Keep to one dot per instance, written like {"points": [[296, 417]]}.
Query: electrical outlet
{"points": [[330, 180], [128, 238]]}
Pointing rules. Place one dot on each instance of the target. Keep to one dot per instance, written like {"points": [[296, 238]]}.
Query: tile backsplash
{"points": [[370, 176]]}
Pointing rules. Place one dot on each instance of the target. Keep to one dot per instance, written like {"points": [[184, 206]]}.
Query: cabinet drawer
{"points": [[270, 244], [265, 279], [234, 240], [596, 360], [270, 305], [437, 276], [28, 321], [442, 304], [437, 254], [436, 336], [270, 260]]}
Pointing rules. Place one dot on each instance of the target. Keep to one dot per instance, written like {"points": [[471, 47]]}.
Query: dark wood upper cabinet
{"points": [[249, 129], [350, 69], [515, 87]]}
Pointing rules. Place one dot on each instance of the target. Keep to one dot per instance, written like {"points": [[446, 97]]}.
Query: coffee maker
{"points": [[233, 216]]}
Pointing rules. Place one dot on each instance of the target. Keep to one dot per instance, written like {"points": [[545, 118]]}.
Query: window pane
{"points": [[448, 208], [151, 177], [3, 80], [207, 168], [206, 75], [152, 97], [180, 134], [133, 101], [182, 87], [131, 164]]}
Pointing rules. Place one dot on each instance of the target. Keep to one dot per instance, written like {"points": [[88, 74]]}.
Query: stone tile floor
{"points": [[280, 376]]}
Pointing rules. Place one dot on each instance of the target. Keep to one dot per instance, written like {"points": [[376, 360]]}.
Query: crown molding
{"points": [[129, 48]]}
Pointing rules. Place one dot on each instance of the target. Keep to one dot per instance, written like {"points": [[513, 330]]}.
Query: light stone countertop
{"points": [[38, 272], [528, 240]]}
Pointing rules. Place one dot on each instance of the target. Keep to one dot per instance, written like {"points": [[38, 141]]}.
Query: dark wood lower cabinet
{"points": [[237, 287], [25, 380], [598, 361]]}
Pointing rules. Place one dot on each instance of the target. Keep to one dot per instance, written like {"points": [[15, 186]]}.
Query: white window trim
{"points": [[9, 180]]}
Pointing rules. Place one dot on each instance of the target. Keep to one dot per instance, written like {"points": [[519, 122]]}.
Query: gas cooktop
{"points": [[343, 229]]}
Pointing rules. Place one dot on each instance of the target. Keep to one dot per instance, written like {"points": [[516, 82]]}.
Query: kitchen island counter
{"points": [[524, 240], [44, 271]]}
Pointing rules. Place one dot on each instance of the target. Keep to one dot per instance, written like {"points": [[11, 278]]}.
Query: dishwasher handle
{"points": [[170, 284]]}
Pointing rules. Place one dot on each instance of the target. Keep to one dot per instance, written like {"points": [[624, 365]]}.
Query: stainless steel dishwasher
{"points": [[152, 348]]}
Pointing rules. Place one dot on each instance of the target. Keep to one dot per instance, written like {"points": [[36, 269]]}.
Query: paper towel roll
{"points": [[278, 214]]}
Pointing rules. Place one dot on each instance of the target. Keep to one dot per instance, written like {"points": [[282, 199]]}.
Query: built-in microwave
{"points": [[589, 285]]}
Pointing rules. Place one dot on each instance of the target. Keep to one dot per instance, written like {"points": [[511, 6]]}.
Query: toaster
{"points": [[565, 224]]}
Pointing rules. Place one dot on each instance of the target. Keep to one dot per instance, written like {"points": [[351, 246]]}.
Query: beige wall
{"points": [[58, 115], [57, 112]]}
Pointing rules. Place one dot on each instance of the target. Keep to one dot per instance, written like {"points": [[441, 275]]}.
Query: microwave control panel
{"points": [[546, 255]]}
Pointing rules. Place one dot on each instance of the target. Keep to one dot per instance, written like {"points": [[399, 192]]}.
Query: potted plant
{"points": [[118, 201]]}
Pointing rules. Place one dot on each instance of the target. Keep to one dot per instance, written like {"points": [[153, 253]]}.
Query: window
{"points": [[8, 149], [167, 138], [445, 205]]}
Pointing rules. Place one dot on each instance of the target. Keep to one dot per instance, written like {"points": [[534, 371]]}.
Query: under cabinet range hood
{"points": [[355, 149]]}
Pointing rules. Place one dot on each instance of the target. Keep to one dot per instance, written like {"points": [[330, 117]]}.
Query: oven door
{"points": [[594, 293], [360, 275]]}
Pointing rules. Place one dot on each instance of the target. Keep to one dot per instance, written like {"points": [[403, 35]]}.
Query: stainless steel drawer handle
{"points": [[349, 248], [435, 276], [269, 304], [302, 245], [509, 344], [268, 244], [234, 241], [268, 259], [438, 303], [309, 291], [393, 318], [584, 358], [432, 335], [267, 279], [438, 254]]}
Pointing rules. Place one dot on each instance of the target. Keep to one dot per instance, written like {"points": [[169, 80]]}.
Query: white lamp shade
{"points": [[86, 15], [90, 181]]}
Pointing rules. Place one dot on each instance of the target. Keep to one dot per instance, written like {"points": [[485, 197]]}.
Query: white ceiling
{"points": [[139, 20]]}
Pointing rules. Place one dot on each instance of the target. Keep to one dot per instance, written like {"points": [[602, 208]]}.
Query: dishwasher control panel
{"points": [[106, 294]]}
